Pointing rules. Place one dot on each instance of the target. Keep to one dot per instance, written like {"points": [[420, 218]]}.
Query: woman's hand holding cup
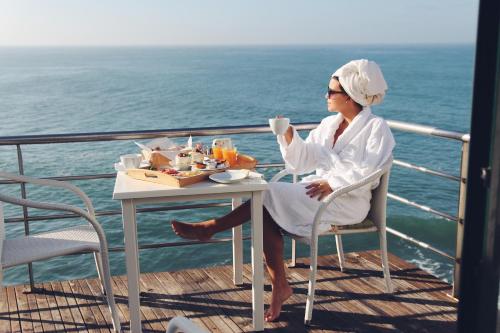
{"points": [[279, 125]]}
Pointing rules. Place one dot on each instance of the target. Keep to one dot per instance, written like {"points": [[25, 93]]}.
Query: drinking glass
{"points": [[229, 155], [217, 152]]}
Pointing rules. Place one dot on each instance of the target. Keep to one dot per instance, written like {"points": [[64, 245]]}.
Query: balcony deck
{"points": [[351, 301]]}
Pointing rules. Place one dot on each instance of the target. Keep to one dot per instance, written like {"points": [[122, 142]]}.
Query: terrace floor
{"points": [[350, 301]]}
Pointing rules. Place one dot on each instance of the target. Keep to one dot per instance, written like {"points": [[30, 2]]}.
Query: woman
{"points": [[343, 149]]}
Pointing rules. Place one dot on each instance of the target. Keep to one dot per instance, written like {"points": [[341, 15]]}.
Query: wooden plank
{"points": [[121, 282], [369, 291], [121, 291], [62, 305], [171, 282], [33, 308], [212, 302], [23, 308], [421, 289], [84, 304], [240, 313], [401, 314], [56, 315], [439, 315], [78, 320], [4, 311], [156, 300], [293, 310], [191, 294], [100, 323], [391, 309], [102, 302], [15, 323], [228, 304], [331, 308], [150, 318], [43, 308], [419, 295], [165, 297], [121, 299]]}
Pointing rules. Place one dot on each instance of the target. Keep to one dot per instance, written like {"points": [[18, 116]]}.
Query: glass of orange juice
{"points": [[229, 155], [217, 151]]}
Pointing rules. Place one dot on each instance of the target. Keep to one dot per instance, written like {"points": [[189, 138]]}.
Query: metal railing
{"points": [[19, 141]]}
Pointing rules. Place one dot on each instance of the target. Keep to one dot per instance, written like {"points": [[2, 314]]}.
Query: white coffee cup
{"points": [[131, 161], [279, 125]]}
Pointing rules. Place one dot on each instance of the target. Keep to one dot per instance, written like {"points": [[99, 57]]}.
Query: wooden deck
{"points": [[351, 301]]}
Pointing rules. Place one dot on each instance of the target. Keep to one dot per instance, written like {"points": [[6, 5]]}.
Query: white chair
{"points": [[182, 324], [374, 222], [90, 237]]}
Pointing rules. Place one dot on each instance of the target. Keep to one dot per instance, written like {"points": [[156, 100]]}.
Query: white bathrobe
{"points": [[363, 147]]}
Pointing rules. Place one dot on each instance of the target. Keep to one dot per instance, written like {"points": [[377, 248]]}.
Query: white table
{"points": [[134, 192]]}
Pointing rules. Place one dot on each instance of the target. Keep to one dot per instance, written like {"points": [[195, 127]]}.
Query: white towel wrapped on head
{"points": [[363, 81]]}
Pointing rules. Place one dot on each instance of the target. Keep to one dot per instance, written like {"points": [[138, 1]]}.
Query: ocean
{"points": [[92, 89]]}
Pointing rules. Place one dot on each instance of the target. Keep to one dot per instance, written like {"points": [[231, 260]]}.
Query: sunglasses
{"points": [[332, 92]]}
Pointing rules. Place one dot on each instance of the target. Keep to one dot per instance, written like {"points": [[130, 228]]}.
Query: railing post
{"points": [[464, 165], [25, 209]]}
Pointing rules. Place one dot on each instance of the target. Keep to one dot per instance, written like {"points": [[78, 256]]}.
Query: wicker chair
{"points": [[375, 222], [88, 238]]}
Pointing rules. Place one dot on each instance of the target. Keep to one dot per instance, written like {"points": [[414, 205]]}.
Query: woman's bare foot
{"points": [[198, 231], [279, 296]]}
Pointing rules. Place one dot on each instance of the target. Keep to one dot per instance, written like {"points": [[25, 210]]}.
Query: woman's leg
{"points": [[273, 248], [206, 229], [273, 252]]}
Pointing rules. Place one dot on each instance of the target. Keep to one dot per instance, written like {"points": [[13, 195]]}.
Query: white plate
{"points": [[229, 176]]}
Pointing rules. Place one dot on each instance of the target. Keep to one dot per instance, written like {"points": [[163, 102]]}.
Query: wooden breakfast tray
{"points": [[243, 162], [166, 179]]}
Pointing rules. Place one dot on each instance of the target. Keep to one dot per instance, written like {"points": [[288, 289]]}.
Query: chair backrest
{"points": [[378, 204]]}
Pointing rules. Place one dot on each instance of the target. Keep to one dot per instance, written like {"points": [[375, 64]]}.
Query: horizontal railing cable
{"points": [[419, 243], [422, 207], [116, 212], [425, 170]]}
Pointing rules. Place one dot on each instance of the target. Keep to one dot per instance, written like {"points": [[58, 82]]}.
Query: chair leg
{"points": [[98, 264], [312, 282], [385, 262], [340, 252], [293, 262], [106, 274]]}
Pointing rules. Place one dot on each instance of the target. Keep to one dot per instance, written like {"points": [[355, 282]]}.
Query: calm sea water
{"points": [[70, 90]]}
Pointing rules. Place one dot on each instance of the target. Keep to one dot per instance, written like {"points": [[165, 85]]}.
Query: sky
{"points": [[235, 22]]}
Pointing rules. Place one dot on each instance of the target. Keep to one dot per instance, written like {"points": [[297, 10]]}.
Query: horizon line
{"points": [[239, 45]]}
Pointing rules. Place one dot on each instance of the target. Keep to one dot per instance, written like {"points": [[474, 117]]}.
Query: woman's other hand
{"points": [[319, 189]]}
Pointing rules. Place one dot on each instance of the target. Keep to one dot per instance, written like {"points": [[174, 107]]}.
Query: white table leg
{"points": [[132, 261], [237, 249], [257, 263]]}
